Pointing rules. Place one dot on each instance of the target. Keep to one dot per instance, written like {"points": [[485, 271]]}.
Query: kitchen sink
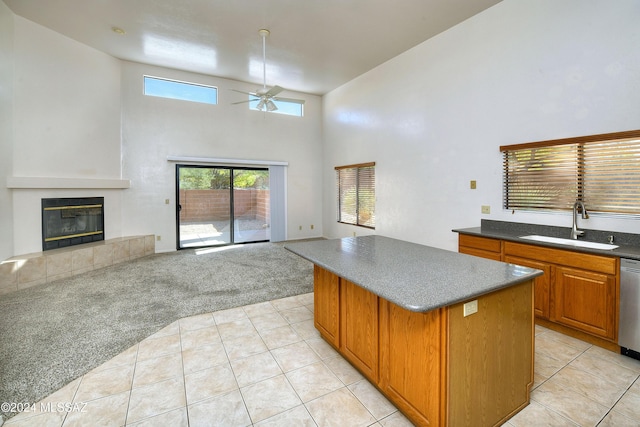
{"points": [[570, 242]]}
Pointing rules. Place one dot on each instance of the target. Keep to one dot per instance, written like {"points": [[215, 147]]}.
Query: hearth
{"points": [[72, 221]]}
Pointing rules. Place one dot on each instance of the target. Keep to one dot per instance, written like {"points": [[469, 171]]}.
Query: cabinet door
{"points": [[541, 284], [359, 328], [413, 361], [326, 304], [586, 301]]}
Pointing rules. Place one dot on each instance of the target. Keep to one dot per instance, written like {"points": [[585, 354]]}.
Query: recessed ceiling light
{"points": [[118, 30]]}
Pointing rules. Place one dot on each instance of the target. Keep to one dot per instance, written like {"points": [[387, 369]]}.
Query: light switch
{"points": [[472, 184], [470, 307]]}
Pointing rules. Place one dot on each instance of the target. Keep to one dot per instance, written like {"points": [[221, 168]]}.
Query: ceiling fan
{"points": [[265, 96]]}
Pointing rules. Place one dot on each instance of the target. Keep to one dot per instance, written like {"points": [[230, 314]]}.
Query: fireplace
{"points": [[72, 221]]}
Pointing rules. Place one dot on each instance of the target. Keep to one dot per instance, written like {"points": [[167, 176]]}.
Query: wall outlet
{"points": [[158, 238], [470, 308], [300, 227], [486, 209], [312, 226], [166, 201]]}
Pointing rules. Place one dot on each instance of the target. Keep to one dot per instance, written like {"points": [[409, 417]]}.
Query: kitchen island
{"points": [[447, 337]]}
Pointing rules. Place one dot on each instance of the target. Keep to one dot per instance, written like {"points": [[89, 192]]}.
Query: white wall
{"points": [[66, 106], [433, 118], [79, 113], [66, 124], [6, 134], [154, 128]]}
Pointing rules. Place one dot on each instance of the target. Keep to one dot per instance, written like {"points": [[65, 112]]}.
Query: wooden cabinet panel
{"points": [[326, 304], [412, 361], [484, 243], [359, 328], [542, 284], [496, 256], [601, 264], [585, 300], [491, 357], [583, 287], [480, 246]]}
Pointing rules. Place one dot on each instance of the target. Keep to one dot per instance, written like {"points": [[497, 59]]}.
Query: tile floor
{"points": [[265, 365]]}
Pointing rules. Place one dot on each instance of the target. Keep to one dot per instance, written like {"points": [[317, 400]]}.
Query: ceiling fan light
{"points": [[260, 105], [271, 106]]}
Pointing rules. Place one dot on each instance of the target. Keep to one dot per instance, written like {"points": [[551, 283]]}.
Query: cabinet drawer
{"points": [[601, 264], [496, 256], [483, 243]]}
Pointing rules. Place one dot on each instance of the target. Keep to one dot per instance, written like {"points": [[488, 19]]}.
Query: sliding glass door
{"points": [[221, 205]]}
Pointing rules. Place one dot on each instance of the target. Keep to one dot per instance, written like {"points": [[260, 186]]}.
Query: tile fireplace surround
{"points": [[37, 268]]}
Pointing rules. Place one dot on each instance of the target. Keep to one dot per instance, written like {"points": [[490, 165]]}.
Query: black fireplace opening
{"points": [[72, 221]]}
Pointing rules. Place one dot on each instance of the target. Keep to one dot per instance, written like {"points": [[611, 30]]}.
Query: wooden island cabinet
{"points": [[439, 367], [448, 338]]}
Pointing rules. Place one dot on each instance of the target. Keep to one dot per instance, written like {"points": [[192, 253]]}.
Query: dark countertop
{"points": [[416, 277], [629, 244]]}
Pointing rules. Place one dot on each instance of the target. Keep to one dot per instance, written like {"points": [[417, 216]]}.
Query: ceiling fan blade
{"points": [[297, 101], [274, 91], [246, 93], [242, 102]]}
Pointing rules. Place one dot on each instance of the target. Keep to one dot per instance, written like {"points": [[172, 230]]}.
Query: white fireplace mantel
{"points": [[37, 182]]}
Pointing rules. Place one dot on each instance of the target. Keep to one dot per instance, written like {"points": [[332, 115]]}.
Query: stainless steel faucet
{"points": [[574, 229]]}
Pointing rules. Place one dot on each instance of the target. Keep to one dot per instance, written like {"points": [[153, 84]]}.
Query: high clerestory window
{"points": [[603, 171], [356, 188], [173, 89]]}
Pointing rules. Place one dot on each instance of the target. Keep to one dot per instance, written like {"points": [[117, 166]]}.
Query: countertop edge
{"points": [[385, 293]]}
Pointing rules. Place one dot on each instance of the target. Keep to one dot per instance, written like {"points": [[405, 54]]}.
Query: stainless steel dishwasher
{"points": [[629, 330]]}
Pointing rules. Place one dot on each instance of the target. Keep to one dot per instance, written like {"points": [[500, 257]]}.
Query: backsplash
{"points": [[600, 236]]}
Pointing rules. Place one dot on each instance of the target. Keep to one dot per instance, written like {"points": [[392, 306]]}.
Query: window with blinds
{"points": [[603, 171], [356, 190]]}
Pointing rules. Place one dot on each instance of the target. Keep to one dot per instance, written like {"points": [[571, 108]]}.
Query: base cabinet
{"points": [[434, 366], [578, 292]]}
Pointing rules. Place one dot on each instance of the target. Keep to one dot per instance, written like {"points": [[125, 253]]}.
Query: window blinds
{"points": [[603, 171], [356, 194]]}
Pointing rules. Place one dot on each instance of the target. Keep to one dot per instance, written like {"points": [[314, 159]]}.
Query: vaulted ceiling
{"points": [[314, 45]]}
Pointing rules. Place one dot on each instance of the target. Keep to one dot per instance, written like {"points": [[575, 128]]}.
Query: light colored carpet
{"points": [[51, 334]]}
